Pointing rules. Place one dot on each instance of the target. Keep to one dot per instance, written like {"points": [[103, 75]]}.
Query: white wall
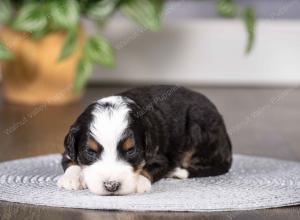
{"points": [[209, 51]]}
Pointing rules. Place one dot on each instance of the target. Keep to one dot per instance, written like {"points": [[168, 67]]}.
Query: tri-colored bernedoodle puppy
{"points": [[122, 144]]}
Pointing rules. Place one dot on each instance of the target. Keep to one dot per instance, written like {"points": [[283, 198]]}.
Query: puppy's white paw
{"points": [[82, 182], [72, 179], [143, 184], [69, 182], [179, 173]]}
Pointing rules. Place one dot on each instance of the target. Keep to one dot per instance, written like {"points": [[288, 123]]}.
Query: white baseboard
{"points": [[198, 51]]}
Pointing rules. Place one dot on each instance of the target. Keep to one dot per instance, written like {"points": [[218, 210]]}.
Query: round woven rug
{"points": [[252, 183]]}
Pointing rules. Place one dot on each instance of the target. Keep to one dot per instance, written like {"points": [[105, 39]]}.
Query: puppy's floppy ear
{"points": [[70, 143]]}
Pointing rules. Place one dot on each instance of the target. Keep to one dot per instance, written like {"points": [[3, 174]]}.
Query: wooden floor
{"points": [[264, 122]]}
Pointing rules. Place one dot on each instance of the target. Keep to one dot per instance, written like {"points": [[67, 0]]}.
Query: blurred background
{"points": [[58, 56]]}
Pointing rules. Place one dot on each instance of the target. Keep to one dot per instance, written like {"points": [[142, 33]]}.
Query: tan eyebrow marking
{"points": [[128, 144], [92, 144]]}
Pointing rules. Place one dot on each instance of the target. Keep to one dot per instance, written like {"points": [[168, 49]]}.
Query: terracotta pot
{"points": [[35, 76]]}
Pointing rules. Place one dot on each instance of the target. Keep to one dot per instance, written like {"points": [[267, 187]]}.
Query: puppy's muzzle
{"points": [[111, 186]]}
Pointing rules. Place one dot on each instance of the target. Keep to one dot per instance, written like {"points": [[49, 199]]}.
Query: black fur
{"points": [[168, 123]]}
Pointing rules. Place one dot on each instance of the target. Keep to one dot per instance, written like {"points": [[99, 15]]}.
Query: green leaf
{"points": [[250, 21], [83, 72], [38, 34], [70, 44], [145, 12], [100, 10], [31, 18], [5, 54], [226, 8], [99, 50], [5, 11], [64, 14]]}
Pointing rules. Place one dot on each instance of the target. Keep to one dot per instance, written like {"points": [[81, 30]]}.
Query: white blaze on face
{"points": [[107, 128]]}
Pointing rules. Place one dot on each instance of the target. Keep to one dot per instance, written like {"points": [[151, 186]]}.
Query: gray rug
{"points": [[252, 183]]}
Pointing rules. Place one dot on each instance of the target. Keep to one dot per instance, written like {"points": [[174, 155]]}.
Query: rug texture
{"points": [[252, 183]]}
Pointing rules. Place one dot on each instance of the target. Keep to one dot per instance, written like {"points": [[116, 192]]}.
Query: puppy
{"points": [[122, 144]]}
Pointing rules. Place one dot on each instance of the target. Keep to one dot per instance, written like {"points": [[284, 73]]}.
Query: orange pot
{"points": [[35, 76]]}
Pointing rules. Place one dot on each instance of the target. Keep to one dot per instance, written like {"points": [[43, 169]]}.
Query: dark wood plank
{"points": [[264, 122]]}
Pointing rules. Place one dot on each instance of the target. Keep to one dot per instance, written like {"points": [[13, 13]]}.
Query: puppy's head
{"points": [[109, 144]]}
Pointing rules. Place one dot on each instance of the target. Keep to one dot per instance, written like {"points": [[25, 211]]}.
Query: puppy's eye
{"points": [[131, 152], [91, 154], [129, 147]]}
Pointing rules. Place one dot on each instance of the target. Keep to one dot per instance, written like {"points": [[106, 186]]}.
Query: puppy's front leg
{"points": [[154, 170], [72, 178], [143, 184]]}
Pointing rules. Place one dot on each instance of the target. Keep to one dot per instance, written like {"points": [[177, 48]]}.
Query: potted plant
{"points": [[46, 55], [45, 52]]}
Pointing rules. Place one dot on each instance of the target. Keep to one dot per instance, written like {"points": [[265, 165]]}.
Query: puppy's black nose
{"points": [[111, 186]]}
